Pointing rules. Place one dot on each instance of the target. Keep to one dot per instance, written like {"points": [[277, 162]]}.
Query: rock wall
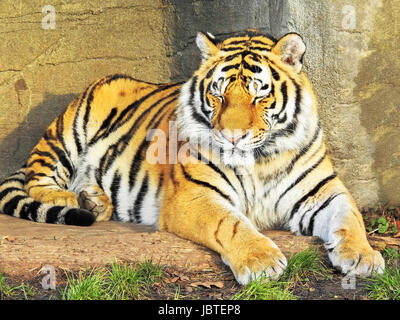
{"points": [[42, 70], [354, 66], [47, 58]]}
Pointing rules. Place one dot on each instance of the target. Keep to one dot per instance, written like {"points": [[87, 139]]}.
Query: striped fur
{"points": [[254, 159]]}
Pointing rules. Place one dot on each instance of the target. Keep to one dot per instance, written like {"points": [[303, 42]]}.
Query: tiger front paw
{"points": [[257, 258], [96, 201], [355, 258]]}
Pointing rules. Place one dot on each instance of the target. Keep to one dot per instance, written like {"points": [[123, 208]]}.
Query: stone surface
{"points": [[352, 64], [42, 70], [27, 246], [352, 60]]}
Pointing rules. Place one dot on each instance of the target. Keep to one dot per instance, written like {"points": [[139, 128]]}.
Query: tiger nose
{"points": [[233, 137]]}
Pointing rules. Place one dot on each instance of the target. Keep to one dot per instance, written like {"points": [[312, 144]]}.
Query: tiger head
{"points": [[249, 97]]}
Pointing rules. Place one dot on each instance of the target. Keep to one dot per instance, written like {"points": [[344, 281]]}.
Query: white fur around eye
{"points": [[255, 86], [259, 89], [218, 87]]}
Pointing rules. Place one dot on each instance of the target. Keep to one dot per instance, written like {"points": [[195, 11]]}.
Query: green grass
{"points": [[117, 282], [300, 266], [386, 286], [9, 291], [122, 281], [263, 289]]}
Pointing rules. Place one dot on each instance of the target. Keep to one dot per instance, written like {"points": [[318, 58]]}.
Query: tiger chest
{"points": [[260, 194]]}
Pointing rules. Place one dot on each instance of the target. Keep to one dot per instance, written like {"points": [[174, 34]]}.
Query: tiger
{"points": [[248, 154]]}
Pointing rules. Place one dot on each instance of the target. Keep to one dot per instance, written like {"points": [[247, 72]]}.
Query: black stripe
{"points": [[202, 95], [104, 126], [291, 127], [284, 100], [40, 174], [310, 228], [233, 66], [298, 98], [75, 124], [11, 205], [133, 107], [29, 210], [140, 197], [114, 189], [261, 42], [32, 176], [138, 158], [232, 56], [243, 188], [160, 183], [275, 74], [205, 184], [117, 148], [63, 158], [283, 120], [193, 89], [237, 42], [195, 114], [310, 194], [204, 160], [44, 154], [7, 191], [52, 214], [172, 176], [9, 180], [19, 172], [300, 178], [150, 124], [252, 68], [43, 163], [117, 76], [60, 131], [233, 48], [210, 72], [304, 150], [259, 48], [88, 108]]}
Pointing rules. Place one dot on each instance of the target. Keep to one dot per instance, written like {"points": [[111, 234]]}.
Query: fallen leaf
{"points": [[174, 279], [218, 284], [189, 289], [201, 284], [184, 278], [208, 285]]}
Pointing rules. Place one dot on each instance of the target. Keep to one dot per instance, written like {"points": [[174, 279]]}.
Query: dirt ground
{"points": [[184, 285], [26, 247]]}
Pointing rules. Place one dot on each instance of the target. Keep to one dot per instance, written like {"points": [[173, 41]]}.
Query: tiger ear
{"points": [[207, 45], [290, 48]]}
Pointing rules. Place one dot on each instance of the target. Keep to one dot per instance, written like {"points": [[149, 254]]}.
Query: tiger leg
{"points": [[49, 171], [337, 221], [199, 215], [43, 188], [93, 198]]}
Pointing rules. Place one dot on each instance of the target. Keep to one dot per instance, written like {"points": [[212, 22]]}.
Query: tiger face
{"points": [[245, 96]]}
